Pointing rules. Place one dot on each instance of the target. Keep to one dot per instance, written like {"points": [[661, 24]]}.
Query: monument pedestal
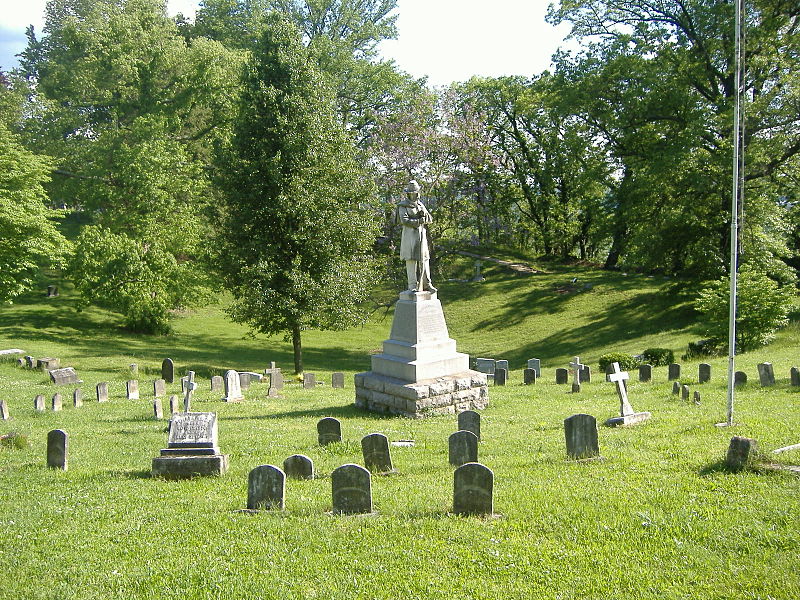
{"points": [[419, 372], [192, 449], [625, 420]]}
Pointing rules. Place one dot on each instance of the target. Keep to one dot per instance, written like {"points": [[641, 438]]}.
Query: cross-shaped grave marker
{"points": [[576, 376], [191, 386], [627, 415]]}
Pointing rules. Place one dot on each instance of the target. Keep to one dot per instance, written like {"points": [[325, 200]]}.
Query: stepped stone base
{"points": [[184, 467], [447, 395]]}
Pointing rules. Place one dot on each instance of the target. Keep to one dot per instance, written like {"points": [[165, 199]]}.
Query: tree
{"points": [[294, 247]]}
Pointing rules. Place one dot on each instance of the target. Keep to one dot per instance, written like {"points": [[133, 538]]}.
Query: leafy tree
{"points": [[294, 247]]}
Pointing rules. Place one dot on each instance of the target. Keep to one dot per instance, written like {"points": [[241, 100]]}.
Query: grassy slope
{"points": [[655, 519]]}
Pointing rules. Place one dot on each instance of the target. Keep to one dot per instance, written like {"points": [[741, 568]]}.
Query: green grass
{"points": [[657, 518]]}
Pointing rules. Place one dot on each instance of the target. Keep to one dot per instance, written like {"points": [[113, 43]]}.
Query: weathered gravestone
{"points": [[580, 432], [684, 392], [77, 398], [794, 376], [4, 416], [469, 420], [158, 409], [462, 448], [52, 291], [56, 404], [101, 389], [233, 391], [375, 448], [562, 375], [351, 486], [30, 362], [266, 488], [20, 362], [134, 369], [168, 370], [472, 490], [173, 405], [298, 466], [673, 371], [48, 363], [739, 378], [192, 448], [309, 381], [184, 381], [676, 387], [742, 453], [485, 365], [576, 366], [703, 373], [696, 397], [645, 373], [536, 365], [132, 389], [244, 381], [501, 364], [766, 374], [159, 388], [627, 415], [586, 374], [57, 440], [38, 403], [64, 376], [337, 380], [500, 376], [276, 380], [217, 383], [529, 376], [329, 430]]}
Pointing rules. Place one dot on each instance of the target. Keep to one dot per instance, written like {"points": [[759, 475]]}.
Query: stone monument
{"points": [[193, 448], [419, 372]]}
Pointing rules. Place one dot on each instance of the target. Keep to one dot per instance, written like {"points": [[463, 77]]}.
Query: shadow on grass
{"points": [[347, 410]]}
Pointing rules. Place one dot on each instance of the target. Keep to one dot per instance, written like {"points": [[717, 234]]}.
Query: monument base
{"points": [[447, 395], [632, 419], [185, 467]]}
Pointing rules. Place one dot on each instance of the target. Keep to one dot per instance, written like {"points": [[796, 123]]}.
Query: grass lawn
{"points": [[657, 518]]}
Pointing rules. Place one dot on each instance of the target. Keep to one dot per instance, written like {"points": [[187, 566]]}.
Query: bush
{"points": [[701, 348], [658, 357], [626, 361]]}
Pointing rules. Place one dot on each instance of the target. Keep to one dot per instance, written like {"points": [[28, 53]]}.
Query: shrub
{"points": [[626, 361], [658, 357], [709, 347]]}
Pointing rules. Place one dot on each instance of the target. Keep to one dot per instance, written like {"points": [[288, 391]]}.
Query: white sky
{"points": [[447, 40]]}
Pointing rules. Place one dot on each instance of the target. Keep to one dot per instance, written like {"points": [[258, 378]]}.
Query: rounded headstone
{"points": [[351, 487], [266, 488], [472, 490], [168, 370], [329, 430], [375, 448], [469, 420], [57, 449], [298, 466], [462, 448], [742, 452], [580, 432]]}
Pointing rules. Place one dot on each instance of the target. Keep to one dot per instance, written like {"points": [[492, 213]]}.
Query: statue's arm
{"points": [[407, 220]]}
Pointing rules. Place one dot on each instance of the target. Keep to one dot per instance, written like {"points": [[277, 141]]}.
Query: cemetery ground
{"points": [[657, 517]]}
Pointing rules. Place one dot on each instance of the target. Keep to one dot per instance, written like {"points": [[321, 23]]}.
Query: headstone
{"points": [[134, 369], [191, 386], [462, 448], [266, 488], [158, 410], [52, 291], [742, 452], [352, 490], [703, 373], [77, 398], [217, 383], [337, 380], [21, 362], [586, 374], [739, 378], [501, 364], [536, 365], [64, 376], [192, 448], [469, 420], [684, 392], [244, 381], [168, 370], [329, 430], [477, 277], [173, 405], [580, 432], [30, 362], [472, 490], [676, 387], [159, 388], [485, 365], [375, 448], [645, 373], [254, 377], [38, 403], [4, 416], [766, 374], [233, 391], [298, 466], [57, 449], [627, 415], [673, 372], [48, 363], [794, 376], [102, 391], [56, 402], [696, 397], [576, 366], [276, 380], [10, 353], [500, 376], [529, 376], [132, 389], [309, 381], [562, 375]]}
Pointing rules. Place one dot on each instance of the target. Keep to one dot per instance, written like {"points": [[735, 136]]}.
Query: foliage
{"points": [[658, 357], [29, 237], [626, 361], [707, 347], [14, 440], [294, 248], [762, 307]]}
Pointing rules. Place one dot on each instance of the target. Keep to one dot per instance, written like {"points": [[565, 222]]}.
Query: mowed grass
{"points": [[656, 518]]}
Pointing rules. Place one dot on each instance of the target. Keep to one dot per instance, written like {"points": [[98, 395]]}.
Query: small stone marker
{"points": [[159, 388], [233, 391], [766, 374], [580, 432], [173, 405], [645, 373], [329, 430], [48, 364], [309, 381], [168, 370], [472, 490], [684, 392], [266, 488], [64, 376], [696, 397], [20, 362], [298, 466], [739, 378], [703, 373], [676, 387], [500, 364], [4, 416], [586, 374], [529, 376], [576, 366], [38, 403], [794, 376], [132, 389], [102, 391], [536, 365], [30, 362], [562, 375], [352, 490], [57, 449], [485, 365], [52, 291], [627, 414], [217, 383], [742, 452], [673, 371], [337, 380], [276, 380], [134, 369], [158, 409], [244, 381], [192, 448], [500, 376], [77, 398], [375, 448], [462, 448], [469, 420], [56, 402], [191, 386]]}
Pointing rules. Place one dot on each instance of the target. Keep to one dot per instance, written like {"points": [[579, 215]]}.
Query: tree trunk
{"points": [[298, 350]]}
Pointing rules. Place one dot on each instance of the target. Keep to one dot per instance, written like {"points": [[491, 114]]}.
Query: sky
{"points": [[445, 40]]}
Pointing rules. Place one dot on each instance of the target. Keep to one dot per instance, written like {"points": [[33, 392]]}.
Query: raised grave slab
{"points": [[192, 448], [64, 376]]}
